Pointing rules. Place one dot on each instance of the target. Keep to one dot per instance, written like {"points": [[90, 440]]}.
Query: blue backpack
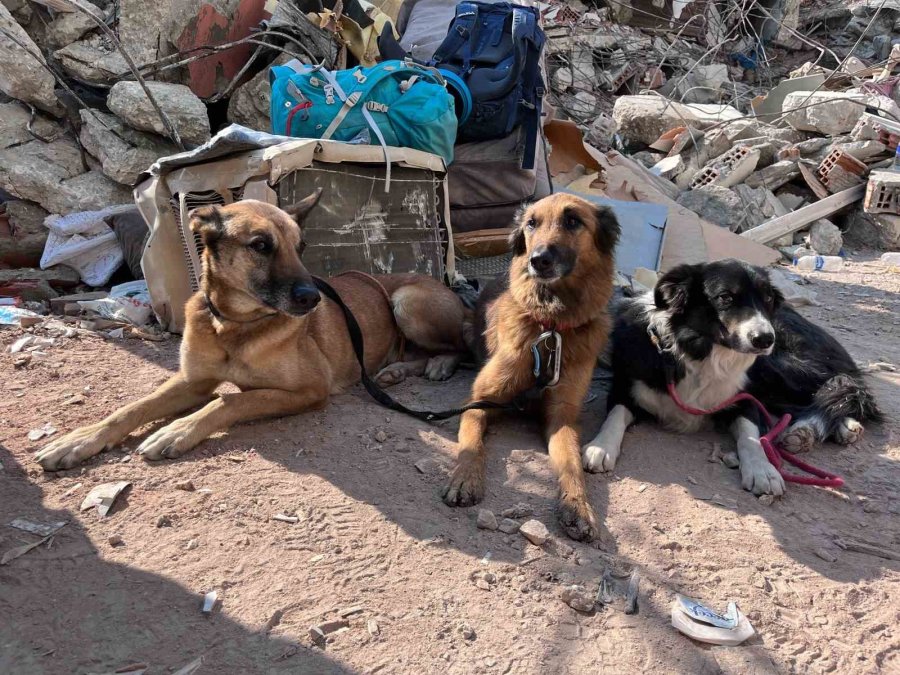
{"points": [[495, 49], [403, 104]]}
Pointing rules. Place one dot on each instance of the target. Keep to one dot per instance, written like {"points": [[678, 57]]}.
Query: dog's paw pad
{"points": [[465, 488], [849, 431], [799, 438], [596, 458]]}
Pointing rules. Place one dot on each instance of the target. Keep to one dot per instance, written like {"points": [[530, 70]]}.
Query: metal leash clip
{"points": [[553, 342]]}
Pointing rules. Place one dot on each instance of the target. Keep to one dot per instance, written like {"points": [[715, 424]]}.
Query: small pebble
{"points": [[508, 526], [186, 485], [192, 544], [115, 540], [380, 436], [826, 555], [767, 500], [164, 521], [486, 520]]}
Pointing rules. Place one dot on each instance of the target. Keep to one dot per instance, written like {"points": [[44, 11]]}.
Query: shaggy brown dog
{"points": [[560, 279], [253, 324]]}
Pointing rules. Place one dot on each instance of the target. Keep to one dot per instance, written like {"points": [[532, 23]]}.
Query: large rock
{"points": [[123, 152], [14, 119], [68, 27], [186, 111], [141, 27], [89, 191], [716, 204], [35, 170], [775, 175], [757, 206], [22, 76], [826, 112], [25, 243], [825, 237], [94, 60], [643, 119]]}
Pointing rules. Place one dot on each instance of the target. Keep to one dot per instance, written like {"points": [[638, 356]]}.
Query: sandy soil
{"points": [[426, 590]]}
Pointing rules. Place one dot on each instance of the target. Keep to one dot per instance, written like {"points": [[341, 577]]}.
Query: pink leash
{"points": [[775, 453]]}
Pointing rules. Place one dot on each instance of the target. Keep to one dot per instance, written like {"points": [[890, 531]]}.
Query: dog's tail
{"points": [[846, 396]]}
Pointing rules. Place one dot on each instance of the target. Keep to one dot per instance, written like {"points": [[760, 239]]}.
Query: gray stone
{"points": [[14, 122], [757, 206], [185, 110], [123, 152], [59, 276], [20, 10], [34, 170], [89, 191], [535, 532], [24, 246], [866, 230], [863, 150], [581, 104], [520, 510], [775, 175], [643, 119], [68, 27], [825, 237], [508, 526], [22, 75], [249, 105], [745, 129], [826, 112], [716, 204], [577, 598], [142, 27], [486, 520], [94, 60]]}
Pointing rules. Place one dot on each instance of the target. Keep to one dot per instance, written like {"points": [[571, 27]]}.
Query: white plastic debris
{"points": [[40, 529], [209, 601], [128, 302], [104, 496], [705, 625]]}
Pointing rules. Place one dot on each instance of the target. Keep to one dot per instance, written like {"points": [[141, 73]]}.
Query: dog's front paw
{"points": [[578, 519], [597, 458], [466, 485], [849, 431], [75, 447], [170, 442], [761, 478], [441, 367]]}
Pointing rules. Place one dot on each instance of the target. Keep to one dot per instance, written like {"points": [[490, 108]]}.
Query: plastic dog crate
{"points": [[357, 225]]}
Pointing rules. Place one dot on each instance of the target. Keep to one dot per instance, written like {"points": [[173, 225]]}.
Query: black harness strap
{"points": [[376, 392]]}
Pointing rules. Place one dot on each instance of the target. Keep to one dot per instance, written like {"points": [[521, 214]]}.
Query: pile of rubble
{"points": [[93, 93], [746, 129]]}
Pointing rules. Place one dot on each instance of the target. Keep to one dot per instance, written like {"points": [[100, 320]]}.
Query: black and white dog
{"points": [[721, 328]]}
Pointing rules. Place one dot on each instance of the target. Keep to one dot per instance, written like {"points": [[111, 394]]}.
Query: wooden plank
{"points": [[797, 220]]}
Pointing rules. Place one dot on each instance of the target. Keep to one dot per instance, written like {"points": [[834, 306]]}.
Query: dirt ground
{"points": [[423, 588]]}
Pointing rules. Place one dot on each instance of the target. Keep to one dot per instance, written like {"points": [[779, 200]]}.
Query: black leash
{"points": [[377, 392]]}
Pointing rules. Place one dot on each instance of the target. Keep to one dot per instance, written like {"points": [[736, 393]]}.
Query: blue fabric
{"points": [[422, 117], [496, 49]]}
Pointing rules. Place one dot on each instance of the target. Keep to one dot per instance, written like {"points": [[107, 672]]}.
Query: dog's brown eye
{"points": [[725, 299], [531, 224], [572, 223], [261, 246]]}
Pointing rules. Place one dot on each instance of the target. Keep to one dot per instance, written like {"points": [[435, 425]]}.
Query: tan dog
{"points": [[560, 279], [253, 324]]}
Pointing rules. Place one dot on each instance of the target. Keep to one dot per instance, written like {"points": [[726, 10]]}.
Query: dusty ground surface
{"points": [[374, 535]]}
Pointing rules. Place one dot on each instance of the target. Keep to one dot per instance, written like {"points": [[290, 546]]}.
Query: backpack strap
{"points": [[461, 30], [525, 28], [349, 103]]}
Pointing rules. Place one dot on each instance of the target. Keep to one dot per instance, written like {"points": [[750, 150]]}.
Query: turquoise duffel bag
{"points": [[401, 104]]}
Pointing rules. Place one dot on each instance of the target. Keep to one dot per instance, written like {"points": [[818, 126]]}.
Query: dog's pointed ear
{"points": [[608, 230], [672, 289], [517, 233], [207, 221], [301, 209]]}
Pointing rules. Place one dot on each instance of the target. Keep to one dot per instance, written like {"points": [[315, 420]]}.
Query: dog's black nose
{"points": [[542, 260], [762, 340], [305, 296]]}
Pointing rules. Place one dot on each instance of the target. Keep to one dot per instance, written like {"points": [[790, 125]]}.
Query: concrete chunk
{"points": [[184, 108], [827, 112], [22, 72], [643, 119]]}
